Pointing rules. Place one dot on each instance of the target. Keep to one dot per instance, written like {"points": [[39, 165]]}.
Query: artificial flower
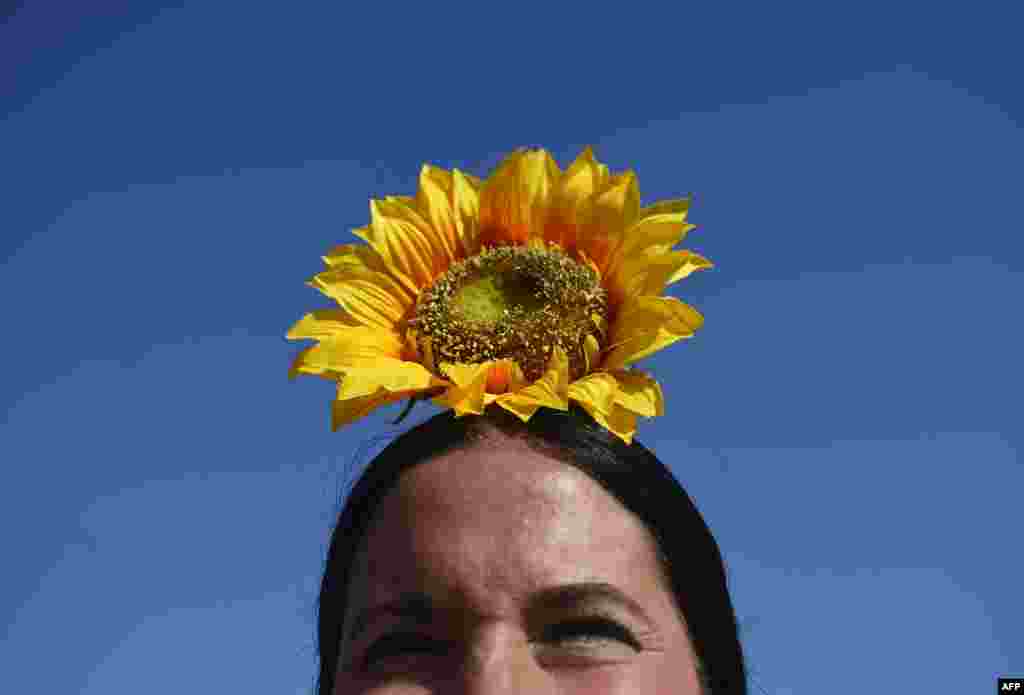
{"points": [[533, 288]]}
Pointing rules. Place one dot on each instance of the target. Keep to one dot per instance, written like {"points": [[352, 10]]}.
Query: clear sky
{"points": [[171, 176]]}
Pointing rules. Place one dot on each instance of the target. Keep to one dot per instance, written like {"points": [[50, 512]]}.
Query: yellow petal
{"points": [[406, 209], [450, 203], [504, 375], [349, 410], [463, 375], [672, 205], [321, 323], [351, 347], [362, 261], [686, 262], [598, 393], [623, 197], [601, 232], [621, 423], [650, 274], [514, 200], [409, 249], [370, 298], [444, 247], [550, 391], [591, 354], [639, 393], [302, 365], [654, 233], [584, 178], [386, 373], [648, 324], [572, 200], [469, 384], [595, 392], [360, 345], [465, 197], [600, 324]]}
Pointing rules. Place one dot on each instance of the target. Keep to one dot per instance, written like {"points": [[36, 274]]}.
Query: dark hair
{"points": [[630, 473]]}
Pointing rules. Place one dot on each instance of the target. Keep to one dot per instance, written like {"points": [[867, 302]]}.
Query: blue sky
{"points": [[172, 175]]}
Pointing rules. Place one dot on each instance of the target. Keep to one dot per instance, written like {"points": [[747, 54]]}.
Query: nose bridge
{"points": [[498, 662]]}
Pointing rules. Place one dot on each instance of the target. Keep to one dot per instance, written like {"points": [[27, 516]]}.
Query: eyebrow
{"points": [[419, 607]]}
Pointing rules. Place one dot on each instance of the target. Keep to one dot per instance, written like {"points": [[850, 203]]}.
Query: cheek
{"points": [[652, 674]]}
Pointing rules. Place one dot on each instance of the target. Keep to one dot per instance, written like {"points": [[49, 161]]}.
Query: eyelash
{"points": [[591, 626], [603, 627]]}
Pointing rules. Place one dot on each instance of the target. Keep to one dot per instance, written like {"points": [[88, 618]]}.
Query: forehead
{"points": [[493, 523]]}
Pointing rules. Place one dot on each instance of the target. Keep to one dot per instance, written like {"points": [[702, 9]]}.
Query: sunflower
{"points": [[533, 288]]}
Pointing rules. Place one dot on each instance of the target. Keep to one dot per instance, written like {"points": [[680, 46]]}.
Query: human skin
{"points": [[480, 531]]}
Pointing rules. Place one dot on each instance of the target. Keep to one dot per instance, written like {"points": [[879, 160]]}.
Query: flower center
{"points": [[512, 302], [488, 298]]}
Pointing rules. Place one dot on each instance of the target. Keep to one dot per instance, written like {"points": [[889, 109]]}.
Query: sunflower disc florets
{"points": [[513, 302]]}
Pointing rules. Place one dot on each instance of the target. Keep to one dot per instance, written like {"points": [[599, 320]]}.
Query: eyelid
{"points": [[590, 620], [599, 613], [401, 637], [613, 628], [402, 634]]}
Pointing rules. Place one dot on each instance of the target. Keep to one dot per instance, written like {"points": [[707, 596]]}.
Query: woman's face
{"points": [[496, 569]]}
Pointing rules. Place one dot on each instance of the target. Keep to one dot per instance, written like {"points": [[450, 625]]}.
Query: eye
{"points": [[592, 629], [579, 630], [402, 643]]}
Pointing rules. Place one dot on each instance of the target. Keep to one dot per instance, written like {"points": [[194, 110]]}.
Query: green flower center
{"points": [[513, 302], [488, 298]]}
